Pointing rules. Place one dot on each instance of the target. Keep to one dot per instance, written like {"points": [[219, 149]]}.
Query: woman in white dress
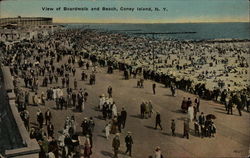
{"points": [[83, 104], [114, 110], [101, 101], [35, 99], [157, 153], [107, 130], [191, 113], [54, 94], [60, 92]]}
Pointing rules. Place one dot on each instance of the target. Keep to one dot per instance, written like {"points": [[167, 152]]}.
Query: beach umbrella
{"points": [[210, 116]]}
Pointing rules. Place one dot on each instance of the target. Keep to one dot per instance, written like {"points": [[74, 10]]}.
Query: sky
{"points": [[177, 11]]}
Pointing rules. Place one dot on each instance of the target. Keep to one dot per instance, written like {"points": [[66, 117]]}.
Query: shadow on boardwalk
{"points": [[107, 154]]}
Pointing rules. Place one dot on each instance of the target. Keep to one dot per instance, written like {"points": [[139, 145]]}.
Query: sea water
{"points": [[203, 31]]}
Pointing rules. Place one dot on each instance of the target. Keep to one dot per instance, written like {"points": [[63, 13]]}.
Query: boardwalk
{"points": [[233, 132]]}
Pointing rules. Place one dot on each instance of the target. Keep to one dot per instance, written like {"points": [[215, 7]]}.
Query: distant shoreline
{"points": [[151, 23], [233, 31]]}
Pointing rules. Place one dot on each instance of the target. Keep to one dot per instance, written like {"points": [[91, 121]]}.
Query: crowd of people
{"points": [[146, 109], [47, 67], [174, 60], [36, 64], [218, 93]]}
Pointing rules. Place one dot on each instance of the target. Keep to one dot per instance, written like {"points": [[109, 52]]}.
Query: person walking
{"points": [[143, 109], [173, 127], [110, 90], [186, 129], [25, 117], [197, 101], [129, 142], [154, 87], [173, 90], [48, 116], [40, 118], [157, 153], [119, 122], [75, 84], [146, 115], [116, 145], [85, 126], [191, 112], [239, 107], [230, 107], [123, 117], [201, 121], [50, 129], [114, 109], [107, 130], [150, 107], [158, 121], [87, 147], [73, 96], [73, 71], [35, 100], [91, 124]]}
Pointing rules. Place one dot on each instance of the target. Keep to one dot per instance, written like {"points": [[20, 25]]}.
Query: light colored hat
{"points": [[157, 148]]}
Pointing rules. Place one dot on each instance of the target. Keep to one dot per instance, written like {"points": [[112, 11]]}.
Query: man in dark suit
{"points": [[110, 91], [123, 117], [48, 116], [129, 142], [230, 107], [158, 120], [202, 124], [50, 129], [173, 127], [154, 86]]}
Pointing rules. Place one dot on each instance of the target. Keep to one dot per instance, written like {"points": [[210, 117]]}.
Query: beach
{"points": [[68, 72], [201, 62]]}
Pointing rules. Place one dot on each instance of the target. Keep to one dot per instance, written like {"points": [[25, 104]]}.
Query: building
{"points": [[20, 28], [26, 21]]}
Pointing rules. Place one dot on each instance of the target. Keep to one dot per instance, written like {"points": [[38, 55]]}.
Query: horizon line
{"points": [[146, 22]]}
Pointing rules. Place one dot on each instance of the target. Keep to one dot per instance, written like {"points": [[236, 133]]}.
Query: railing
{"points": [[31, 148]]}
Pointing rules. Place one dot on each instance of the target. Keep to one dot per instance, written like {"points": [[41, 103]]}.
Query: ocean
{"points": [[203, 31]]}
